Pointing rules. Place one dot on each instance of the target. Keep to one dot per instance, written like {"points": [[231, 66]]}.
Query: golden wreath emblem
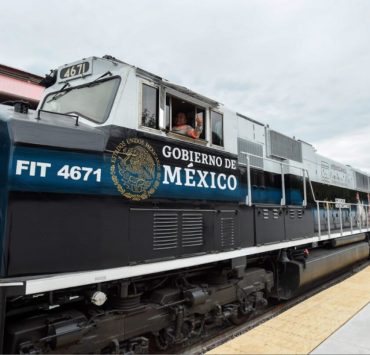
{"points": [[135, 169]]}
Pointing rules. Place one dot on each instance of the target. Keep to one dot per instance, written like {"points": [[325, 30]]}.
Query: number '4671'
{"points": [[79, 173]]}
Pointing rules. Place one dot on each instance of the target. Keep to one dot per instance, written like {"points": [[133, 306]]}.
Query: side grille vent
{"points": [[246, 147], [174, 229], [295, 213], [227, 231], [192, 229], [275, 213], [285, 147], [362, 182], [271, 213], [165, 231]]}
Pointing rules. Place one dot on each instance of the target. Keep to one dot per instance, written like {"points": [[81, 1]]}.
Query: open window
{"points": [[185, 118], [150, 106], [217, 122]]}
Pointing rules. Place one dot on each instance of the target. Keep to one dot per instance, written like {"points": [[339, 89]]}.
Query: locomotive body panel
{"points": [[101, 198], [5, 154]]}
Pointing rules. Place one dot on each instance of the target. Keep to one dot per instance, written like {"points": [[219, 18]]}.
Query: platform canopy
{"points": [[17, 84]]}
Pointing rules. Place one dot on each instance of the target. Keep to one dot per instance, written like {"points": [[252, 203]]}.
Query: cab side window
{"points": [[185, 118], [217, 121], [150, 109]]}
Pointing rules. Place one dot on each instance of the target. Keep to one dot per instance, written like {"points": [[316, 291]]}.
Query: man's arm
{"points": [[197, 131]]}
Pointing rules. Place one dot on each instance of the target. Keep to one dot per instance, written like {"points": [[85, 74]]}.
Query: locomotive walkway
{"points": [[334, 321]]}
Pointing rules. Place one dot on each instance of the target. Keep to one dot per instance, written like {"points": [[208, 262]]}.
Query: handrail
{"points": [[282, 165], [341, 206], [305, 172]]}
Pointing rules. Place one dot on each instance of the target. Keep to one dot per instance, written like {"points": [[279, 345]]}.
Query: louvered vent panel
{"points": [[285, 147], [275, 213], [192, 229], [247, 147], [165, 231], [361, 181], [299, 213], [227, 231]]}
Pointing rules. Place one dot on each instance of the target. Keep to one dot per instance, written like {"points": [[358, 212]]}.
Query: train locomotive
{"points": [[121, 234]]}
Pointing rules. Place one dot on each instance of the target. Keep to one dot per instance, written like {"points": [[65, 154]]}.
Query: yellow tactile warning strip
{"points": [[301, 329]]}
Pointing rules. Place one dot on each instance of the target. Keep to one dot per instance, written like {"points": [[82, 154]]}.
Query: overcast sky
{"points": [[300, 66]]}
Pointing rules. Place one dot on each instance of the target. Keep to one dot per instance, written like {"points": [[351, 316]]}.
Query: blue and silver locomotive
{"points": [[136, 214]]}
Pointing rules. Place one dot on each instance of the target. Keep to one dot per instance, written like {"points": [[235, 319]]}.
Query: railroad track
{"points": [[215, 339]]}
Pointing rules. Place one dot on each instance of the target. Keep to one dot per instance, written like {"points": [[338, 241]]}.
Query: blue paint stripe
{"points": [[54, 183], [27, 181]]}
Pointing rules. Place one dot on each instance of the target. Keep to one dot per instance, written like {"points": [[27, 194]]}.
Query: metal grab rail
{"points": [[361, 215], [305, 173], [281, 165]]}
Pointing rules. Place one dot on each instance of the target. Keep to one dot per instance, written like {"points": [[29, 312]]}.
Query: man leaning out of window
{"points": [[181, 126]]}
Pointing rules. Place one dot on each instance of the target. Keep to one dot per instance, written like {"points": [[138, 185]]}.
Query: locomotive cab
{"points": [[105, 91]]}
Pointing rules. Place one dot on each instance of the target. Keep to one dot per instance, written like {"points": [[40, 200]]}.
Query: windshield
{"points": [[93, 102]]}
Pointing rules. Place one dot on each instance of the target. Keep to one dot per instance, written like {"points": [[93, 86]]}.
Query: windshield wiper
{"points": [[64, 91], [61, 92], [94, 82]]}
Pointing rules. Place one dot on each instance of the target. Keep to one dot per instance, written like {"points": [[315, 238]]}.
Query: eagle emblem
{"points": [[135, 169]]}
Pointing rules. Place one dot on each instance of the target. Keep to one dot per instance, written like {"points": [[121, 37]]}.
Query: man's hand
{"points": [[198, 120]]}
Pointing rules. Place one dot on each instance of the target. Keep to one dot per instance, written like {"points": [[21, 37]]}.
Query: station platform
{"points": [[334, 321]]}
